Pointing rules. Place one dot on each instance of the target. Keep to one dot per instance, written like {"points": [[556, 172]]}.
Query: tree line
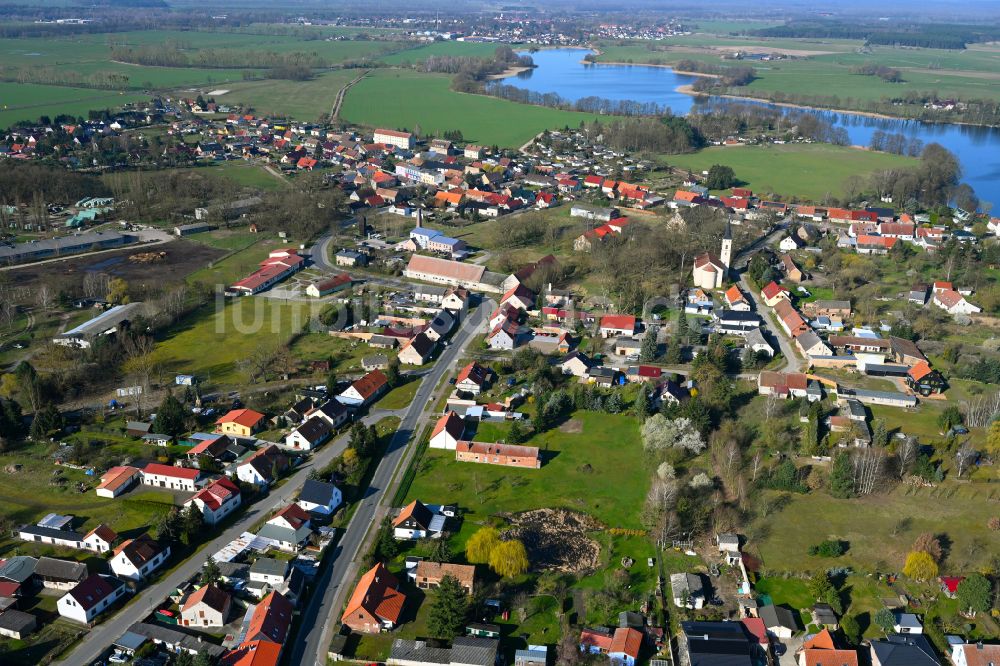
{"points": [[889, 74], [926, 35]]}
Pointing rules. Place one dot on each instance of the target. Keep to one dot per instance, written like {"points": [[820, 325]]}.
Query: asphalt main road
{"points": [[101, 637], [320, 618]]}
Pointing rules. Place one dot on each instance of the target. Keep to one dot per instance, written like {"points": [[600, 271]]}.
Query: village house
{"points": [[508, 335], [376, 604], [508, 455], [782, 385], [576, 363], [270, 620], [792, 272], [137, 558], [56, 574], [266, 574], [447, 432], [451, 273], [822, 649], [171, 477], [240, 422], [417, 521], [953, 302], [975, 654], [688, 591], [757, 342], [320, 497], [772, 293], [735, 300], [440, 326], [403, 140], [220, 448], [332, 411], [812, 345], [101, 539], [206, 607], [789, 318], [90, 598], [350, 258], [309, 435], [875, 244], [828, 308], [417, 351], [365, 390], [519, 297], [617, 325], [778, 620], [427, 575], [925, 380], [263, 467], [216, 500], [473, 378]]}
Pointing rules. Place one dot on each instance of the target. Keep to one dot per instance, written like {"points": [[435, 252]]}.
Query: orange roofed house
{"points": [[376, 603], [821, 650], [242, 422]]}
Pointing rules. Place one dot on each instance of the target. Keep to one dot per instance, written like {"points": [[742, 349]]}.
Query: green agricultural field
{"points": [[806, 171], [28, 101], [302, 100], [397, 98], [575, 456], [249, 175], [420, 53], [788, 532]]}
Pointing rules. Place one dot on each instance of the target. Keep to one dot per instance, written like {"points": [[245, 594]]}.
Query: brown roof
{"points": [[212, 596], [453, 270], [980, 654], [104, 532], [493, 448], [376, 593], [139, 550], [435, 571], [368, 385], [116, 477], [627, 641]]}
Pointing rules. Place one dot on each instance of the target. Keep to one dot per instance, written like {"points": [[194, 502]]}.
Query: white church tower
{"points": [[726, 255]]}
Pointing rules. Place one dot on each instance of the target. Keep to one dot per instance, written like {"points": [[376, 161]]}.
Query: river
{"points": [[562, 71]]}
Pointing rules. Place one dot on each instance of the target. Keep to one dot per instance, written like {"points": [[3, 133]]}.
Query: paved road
{"points": [[102, 636], [321, 616]]}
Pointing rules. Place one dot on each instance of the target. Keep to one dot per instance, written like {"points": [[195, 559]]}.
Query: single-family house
{"points": [[576, 363], [953, 302], [772, 293], [376, 603], [310, 435], [811, 344], [519, 297], [365, 390], [614, 325], [907, 623], [447, 432], [417, 351], [332, 411], [207, 606], [270, 620], [792, 272], [779, 620], [320, 497], [735, 300], [508, 335], [925, 380], [625, 646], [417, 521], [263, 467], [757, 342], [136, 558], [216, 500], [687, 589], [101, 539], [821, 650], [241, 422], [975, 654], [900, 650], [90, 598], [714, 643], [473, 378]]}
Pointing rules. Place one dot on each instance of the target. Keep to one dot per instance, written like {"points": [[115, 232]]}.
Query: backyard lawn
{"points": [[401, 396]]}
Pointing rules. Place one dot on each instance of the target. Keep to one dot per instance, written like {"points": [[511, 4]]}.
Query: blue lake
{"points": [[562, 71]]}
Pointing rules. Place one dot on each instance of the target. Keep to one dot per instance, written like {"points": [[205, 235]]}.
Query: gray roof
{"points": [[269, 566], [15, 620], [314, 430], [756, 337], [18, 568], [407, 650], [175, 638], [103, 322], [904, 650], [684, 584], [317, 492], [777, 616], [442, 323], [286, 534], [233, 569], [465, 650], [130, 641], [66, 244], [50, 532], [50, 567]]}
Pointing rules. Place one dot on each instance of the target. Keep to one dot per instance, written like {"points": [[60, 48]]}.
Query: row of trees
{"points": [[888, 74]]}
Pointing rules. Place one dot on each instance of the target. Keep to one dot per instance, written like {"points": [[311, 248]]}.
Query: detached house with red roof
{"points": [[376, 604], [735, 300], [614, 325], [206, 607], [473, 378], [118, 480], [242, 422], [952, 302], [448, 432], [216, 500], [365, 390], [772, 293], [90, 598], [270, 620]]}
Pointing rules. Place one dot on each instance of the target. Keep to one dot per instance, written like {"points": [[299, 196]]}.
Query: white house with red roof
{"points": [[100, 539], [171, 477], [953, 302], [216, 500], [118, 480], [625, 646], [735, 300], [365, 390], [448, 431], [614, 325], [519, 298], [279, 265], [137, 558]]}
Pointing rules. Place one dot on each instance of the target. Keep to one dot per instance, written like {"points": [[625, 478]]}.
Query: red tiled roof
{"points": [[217, 493], [171, 470], [919, 371], [450, 422], [446, 268], [377, 595], [755, 626], [247, 418], [253, 653], [951, 582], [624, 322], [104, 532], [369, 385], [212, 596], [627, 641], [116, 477], [772, 290], [294, 515], [599, 640], [271, 619]]}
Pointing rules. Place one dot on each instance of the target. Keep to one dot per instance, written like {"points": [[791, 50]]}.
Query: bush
{"points": [[828, 548]]}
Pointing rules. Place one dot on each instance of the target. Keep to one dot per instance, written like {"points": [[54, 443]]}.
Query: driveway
{"points": [[792, 646]]}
